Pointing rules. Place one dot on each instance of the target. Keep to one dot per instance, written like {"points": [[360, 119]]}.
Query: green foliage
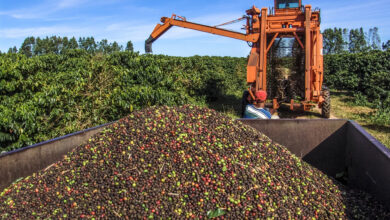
{"points": [[13, 50], [357, 41], [216, 213], [381, 117], [334, 42], [368, 72], [338, 40], [66, 89], [60, 45], [374, 40], [129, 46], [27, 46], [367, 75], [386, 46], [43, 97]]}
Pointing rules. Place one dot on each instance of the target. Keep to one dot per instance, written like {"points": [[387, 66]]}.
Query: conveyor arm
{"points": [[160, 29]]}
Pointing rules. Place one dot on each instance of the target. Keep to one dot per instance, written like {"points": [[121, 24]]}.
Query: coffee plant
{"points": [[47, 96]]}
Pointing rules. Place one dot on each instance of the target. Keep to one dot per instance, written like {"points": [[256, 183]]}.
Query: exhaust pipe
{"points": [[148, 44]]}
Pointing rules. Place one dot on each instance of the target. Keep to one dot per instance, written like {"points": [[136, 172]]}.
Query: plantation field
{"points": [[46, 96]]}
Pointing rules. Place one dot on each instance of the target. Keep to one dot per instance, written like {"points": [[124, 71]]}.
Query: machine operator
{"points": [[258, 110]]}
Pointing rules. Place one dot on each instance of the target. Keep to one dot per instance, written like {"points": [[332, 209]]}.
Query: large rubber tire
{"points": [[244, 102], [325, 111]]}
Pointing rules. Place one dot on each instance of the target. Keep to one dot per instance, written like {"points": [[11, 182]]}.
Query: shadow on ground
{"points": [[228, 104], [285, 112]]}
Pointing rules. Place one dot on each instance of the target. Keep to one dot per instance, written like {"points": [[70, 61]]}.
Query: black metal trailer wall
{"points": [[333, 146], [26, 161]]}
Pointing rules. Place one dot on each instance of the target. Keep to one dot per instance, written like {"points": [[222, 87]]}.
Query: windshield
{"points": [[282, 4]]}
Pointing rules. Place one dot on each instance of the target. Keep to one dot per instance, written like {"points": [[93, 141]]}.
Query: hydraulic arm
{"points": [[160, 29]]}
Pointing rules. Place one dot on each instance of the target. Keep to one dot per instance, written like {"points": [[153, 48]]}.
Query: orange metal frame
{"points": [[300, 23]]}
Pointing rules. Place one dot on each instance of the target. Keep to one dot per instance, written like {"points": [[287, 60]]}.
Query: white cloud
{"points": [[47, 8], [41, 31], [32, 13]]}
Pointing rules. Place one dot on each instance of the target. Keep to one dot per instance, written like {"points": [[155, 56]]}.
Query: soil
{"points": [[183, 162]]}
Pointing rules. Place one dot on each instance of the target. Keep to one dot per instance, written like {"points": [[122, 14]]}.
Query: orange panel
{"points": [[251, 74]]}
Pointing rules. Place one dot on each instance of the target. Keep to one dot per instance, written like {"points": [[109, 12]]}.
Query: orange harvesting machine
{"points": [[288, 19]]}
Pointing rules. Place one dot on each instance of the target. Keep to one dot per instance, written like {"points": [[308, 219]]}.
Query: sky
{"points": [[124, 20]]}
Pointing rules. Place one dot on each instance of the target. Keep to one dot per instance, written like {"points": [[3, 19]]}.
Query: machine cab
{"points": [[288, 4]]}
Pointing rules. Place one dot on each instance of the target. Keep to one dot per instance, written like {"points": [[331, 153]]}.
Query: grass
{"points": [[343, 106]]}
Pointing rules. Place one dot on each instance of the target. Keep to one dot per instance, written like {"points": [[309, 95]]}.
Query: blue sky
{"points": [[124, 20]]}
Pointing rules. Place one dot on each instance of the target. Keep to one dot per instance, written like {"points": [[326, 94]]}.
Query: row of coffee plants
{"points": [[367, 75], [47, 96]]}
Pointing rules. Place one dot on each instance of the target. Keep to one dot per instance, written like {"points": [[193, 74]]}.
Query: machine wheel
{"points": [[244, 103], [326, 104]]}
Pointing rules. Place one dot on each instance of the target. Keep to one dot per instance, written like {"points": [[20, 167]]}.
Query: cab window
{"points": [[285, 4]]}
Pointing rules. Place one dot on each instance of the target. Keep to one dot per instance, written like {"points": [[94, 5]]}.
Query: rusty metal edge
{"points": [[53, 140]]}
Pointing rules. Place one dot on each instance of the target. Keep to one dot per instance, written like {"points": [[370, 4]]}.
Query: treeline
{"points": [[32, 46], [335, 41], [342, 40]]}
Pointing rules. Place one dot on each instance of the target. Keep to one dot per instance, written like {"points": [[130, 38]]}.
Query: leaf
{"points": [[216, 213], [339, 175]]}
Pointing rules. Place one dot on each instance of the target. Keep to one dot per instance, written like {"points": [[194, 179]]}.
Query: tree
{"points": [[129, 46], [57, 44], [115, 47], [53, 44], [334, 41], [73, 43], [65, 45], [106, 48], [345, 39], [386, 46], [12, 50], [357, 41], [38, 48], [88, 44], [103, 46], [27, 46], [374, 40]]}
